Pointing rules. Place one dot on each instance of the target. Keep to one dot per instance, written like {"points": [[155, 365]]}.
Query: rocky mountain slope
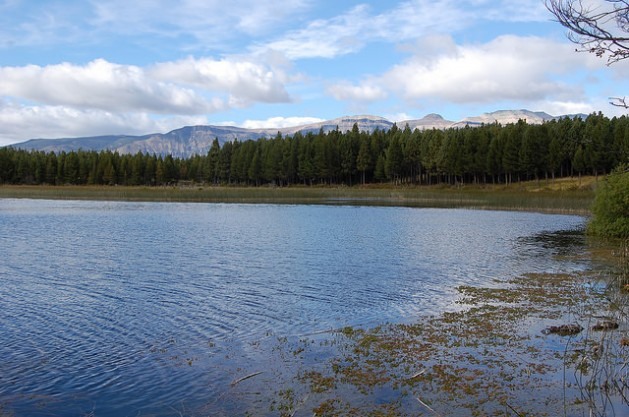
{"points": [[191, 140]]}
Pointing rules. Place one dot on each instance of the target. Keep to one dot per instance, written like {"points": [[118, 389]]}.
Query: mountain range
{"points": [[191, 140]]}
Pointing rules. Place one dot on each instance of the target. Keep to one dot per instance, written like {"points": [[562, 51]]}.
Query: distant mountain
{"points": [[182, 142], [504, 117], [431, 121], [365, 123], [192, 140]]}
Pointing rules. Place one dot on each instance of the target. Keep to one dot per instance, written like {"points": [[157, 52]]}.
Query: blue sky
{"points": [[80, 67]]}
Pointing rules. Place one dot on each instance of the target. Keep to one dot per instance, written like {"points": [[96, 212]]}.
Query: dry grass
{"points": [[561, 196]]}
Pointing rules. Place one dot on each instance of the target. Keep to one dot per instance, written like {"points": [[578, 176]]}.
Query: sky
{"points": [[73, 68]]}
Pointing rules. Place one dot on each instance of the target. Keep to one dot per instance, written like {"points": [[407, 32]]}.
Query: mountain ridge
{"points": [[190, 140]]}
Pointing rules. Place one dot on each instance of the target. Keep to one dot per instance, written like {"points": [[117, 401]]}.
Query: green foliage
{"points": [[487, 153], [611, 205]]}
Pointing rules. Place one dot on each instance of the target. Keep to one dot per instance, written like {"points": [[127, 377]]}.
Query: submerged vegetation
{"points": [[491, 356]]}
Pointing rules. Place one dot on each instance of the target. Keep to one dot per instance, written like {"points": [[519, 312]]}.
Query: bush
{"points": [[611, 205]]}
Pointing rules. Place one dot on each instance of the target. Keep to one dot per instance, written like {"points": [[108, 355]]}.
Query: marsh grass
{"points": [[527, 196]]}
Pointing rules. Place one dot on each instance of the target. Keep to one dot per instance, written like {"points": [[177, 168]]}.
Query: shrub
{"points": [[611, 205]]}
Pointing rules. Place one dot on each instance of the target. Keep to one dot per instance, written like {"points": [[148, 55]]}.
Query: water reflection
{"points": [[559, 242]]}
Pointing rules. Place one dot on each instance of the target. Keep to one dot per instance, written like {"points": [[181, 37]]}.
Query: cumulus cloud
{"points": [[507, 68], [279, 122], [189, 86], [245, 81], [101, 85]]}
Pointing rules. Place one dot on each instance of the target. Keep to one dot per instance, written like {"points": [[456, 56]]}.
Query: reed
{"points": [[602, 357], [574, 201]]}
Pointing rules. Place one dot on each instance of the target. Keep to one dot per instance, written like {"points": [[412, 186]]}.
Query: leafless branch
{"points": [[595, 29], [619, 102]]}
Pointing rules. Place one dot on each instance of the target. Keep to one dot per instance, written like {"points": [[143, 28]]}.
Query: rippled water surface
{"points": [[111, 308]]}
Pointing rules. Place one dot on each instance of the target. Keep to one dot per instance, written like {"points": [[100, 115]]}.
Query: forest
{"points": [[480, 155]]}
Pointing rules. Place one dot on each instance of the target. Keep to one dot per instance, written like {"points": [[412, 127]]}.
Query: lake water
{"points": [[127, 309]]}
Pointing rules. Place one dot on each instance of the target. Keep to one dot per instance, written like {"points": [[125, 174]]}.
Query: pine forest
{"points": [[486, 154]]}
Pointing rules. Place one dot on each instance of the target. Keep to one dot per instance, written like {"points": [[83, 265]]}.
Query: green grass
{"points": [[525, 196]]}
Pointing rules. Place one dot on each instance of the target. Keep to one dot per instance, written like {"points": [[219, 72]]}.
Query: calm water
{"points": [[135, 309]]}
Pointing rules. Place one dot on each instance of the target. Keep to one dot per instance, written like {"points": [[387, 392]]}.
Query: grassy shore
{"points": [[560, 196]]}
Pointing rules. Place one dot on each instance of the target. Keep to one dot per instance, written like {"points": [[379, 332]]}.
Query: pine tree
{"points": [[363, 160]]}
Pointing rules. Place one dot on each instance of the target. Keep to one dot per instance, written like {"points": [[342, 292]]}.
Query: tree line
{"points": [[489, 153]]}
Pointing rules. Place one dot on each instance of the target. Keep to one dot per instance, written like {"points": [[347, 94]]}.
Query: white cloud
{"points": [[600, 103], [363, 93], [209, 23], [199, 24], [507, 68], [279, 122], [510, 10], [351, 31], [417, 18], [205, 25], [101, 85], [399, 117], [324, 38], [189, 86], [245, 81], [558, 108], [407, 21]]}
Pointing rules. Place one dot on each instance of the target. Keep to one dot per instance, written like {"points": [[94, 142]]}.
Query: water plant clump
{"points": [[491, 356]]}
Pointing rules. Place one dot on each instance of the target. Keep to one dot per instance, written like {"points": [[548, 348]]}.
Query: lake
{"points": [[128, 309]]}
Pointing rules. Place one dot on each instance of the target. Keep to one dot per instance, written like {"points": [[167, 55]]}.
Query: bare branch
{"points": [[619, 102], [604, 33]]}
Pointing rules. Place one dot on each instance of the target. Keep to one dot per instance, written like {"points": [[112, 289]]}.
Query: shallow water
{"points": [[117, 308]]}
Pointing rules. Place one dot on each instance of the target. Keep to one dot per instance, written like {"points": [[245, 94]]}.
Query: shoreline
{"points": [[567, 198]]}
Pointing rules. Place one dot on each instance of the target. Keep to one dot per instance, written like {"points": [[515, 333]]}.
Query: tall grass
{"points": [[557, 201]]}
